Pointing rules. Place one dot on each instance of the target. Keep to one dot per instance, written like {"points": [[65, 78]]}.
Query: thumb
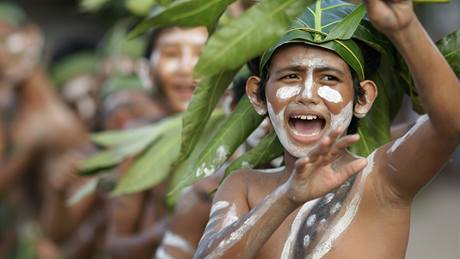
{"points": [[351, 168]]}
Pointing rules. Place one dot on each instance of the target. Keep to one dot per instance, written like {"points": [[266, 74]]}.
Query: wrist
{"points": [[406, 35]]}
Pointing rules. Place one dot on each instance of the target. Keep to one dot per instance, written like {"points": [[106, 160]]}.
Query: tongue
{"points": [[306, 127]]}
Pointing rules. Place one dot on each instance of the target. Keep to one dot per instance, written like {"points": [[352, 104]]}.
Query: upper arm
{"points": [[409, 162], [229, 204]]}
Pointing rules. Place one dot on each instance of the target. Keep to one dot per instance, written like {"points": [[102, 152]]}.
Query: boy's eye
{"points": [[330, 78], [290, 76]]}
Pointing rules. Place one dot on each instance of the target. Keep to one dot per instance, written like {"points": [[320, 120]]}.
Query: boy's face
{"points": [[20, 50], [309, 93], [175, 54]]}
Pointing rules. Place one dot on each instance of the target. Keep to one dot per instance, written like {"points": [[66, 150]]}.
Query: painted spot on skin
{"points": [[161, 254], [329, 197], [287, 92], [326, 243], [176, 241], [296, 224], [335, 208], [329, 94], [420, 121], [311, 220], [306, 240]]}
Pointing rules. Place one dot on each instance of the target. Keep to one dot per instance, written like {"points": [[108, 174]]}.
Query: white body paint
{"points": [[288, 92], [230, 217], [161, 254], [290, 241], [399, 141], [329, 94], [236, 235], [218, 206], [326, 242], [178, 242]]}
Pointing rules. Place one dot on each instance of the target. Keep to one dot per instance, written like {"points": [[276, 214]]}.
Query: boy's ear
{"points": [[252, 90], [364, 104]]}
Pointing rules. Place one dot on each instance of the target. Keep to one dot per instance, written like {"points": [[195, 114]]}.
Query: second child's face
{"points": [[309, 93], [174, 56]]}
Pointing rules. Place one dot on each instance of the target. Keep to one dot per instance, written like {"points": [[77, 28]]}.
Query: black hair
{"points": [[151, 41], [371, 64]]}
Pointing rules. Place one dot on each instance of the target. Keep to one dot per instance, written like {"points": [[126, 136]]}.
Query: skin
{"points": [[266, 205], [138, 221], [81, 94], [174, 56], [37, 157]]}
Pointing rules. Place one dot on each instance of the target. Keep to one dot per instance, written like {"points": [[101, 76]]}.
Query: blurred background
{"points": [[435, 227]]}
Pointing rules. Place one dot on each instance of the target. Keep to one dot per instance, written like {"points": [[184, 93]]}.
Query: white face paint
{"points": [[311, 65], [343, 118], [218, 206], [329, 94], [287, 92], [278, 124]]}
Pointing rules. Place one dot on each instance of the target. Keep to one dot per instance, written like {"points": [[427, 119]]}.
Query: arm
{"points": [[412, 160], [237, 231], [124, 240], [189, 220]]}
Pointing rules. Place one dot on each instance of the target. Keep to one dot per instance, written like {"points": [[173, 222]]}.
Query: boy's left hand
{"points": [[390, 16]]}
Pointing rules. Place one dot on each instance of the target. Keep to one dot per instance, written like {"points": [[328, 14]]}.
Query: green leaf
{"points": [[118, 137], [128, 146], [152, 167], [345, 29], [185, 167], [185, 13], [87, 189], [248, 36], [230, 135], [374, 129], [204, 100], [450, 49], [139, 7], [268, 149], [93, 5]]}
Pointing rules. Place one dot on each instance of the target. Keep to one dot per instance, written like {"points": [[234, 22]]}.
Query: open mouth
{"points": [[306, 126]]}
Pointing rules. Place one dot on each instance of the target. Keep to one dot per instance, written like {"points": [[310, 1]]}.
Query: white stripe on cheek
{"points": [[287, 92], [329, 94]]}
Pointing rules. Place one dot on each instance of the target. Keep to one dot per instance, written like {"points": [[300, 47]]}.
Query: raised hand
{"points": [[314, 175], [390, 16]]}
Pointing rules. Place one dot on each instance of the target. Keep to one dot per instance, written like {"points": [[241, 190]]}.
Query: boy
{"points": [[327, 202]]}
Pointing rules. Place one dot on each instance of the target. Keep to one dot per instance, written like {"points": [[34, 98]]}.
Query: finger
{"points": [[346, 141], [320, 149], [350, 169]]}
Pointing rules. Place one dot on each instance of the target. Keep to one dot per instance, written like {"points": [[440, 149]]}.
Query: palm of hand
{"points": [[314, 175]]}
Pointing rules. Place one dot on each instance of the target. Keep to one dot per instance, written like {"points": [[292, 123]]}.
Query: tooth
{"points": [[303, 117]]}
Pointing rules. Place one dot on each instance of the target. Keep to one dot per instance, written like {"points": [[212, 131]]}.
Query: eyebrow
{"points": [[300, 68]]}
